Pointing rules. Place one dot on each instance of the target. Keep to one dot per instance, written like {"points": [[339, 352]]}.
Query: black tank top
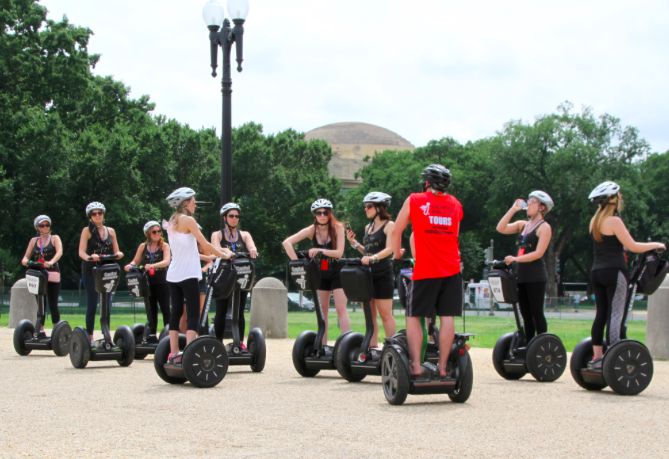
{"points": [[610, 253], [238, 246], [96, 245], [374, 243], [534, 271], [160, 275], [333, 263], [46, 252]]}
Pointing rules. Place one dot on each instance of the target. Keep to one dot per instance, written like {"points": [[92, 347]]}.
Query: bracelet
{"points": [[376, 258]]}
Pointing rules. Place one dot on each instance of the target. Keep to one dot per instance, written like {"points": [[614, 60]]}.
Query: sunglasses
{"points": [[368, 206], [321, 213], [95, 214], [155, 232], [234, 216], [45, 225], [532, 201]]}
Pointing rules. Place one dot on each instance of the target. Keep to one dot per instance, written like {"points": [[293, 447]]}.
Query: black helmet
{"points": [[438, 176]]}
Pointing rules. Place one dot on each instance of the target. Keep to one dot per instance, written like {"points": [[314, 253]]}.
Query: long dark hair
{"points": [[383, 213], [333, 224]]}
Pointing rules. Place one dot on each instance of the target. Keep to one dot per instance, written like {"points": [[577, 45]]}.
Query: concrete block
{"points": [[22, 304], [269, 308], [657, 324]]}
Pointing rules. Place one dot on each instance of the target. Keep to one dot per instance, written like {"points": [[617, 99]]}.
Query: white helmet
{"points": [[179, 196], [543, 198], [321, 204], [150, 225], [377, 197], [94, 205], [229, 206], [604, 192], [40, 219]]}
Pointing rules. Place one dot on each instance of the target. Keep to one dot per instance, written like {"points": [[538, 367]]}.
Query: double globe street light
{"points": [[224, 36]]}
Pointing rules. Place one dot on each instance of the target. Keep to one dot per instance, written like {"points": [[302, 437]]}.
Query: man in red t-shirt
{"points": [[437, 283]]}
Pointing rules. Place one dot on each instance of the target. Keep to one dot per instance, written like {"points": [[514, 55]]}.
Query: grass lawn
{"points": [[571, 331]]}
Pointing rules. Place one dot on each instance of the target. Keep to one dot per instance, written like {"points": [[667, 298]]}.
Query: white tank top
{"points": [[185, 262]]}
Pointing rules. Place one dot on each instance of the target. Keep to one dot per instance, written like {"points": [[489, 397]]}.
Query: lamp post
{"points": [[213, 14]]}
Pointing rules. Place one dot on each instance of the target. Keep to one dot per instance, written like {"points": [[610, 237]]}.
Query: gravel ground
{"points": [[51, 409]]}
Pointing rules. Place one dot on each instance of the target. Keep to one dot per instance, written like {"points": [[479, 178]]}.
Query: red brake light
{"points": [[462, 351], [467, 346]]}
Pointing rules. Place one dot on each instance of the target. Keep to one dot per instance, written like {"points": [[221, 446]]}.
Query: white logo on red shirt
{"points": [[425, 209]]}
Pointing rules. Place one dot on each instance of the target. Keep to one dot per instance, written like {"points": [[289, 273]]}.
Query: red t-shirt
{"points": [[436, 225]]}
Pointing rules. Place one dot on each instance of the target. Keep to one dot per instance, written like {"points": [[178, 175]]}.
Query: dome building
{"points": [[351, 142]]}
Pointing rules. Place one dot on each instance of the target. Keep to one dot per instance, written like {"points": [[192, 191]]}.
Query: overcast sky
{"points": [[425, 69]]}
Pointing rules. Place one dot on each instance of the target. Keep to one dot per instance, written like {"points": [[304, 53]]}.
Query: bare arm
{"points": [[167, 257], [504, 226], [191, 225], [115, 248], [138, 257], [620, 230], [388, 251], [216, 242], [288, 244], [545, 232], [400, 224], [248, 240], [26, 257], [412, 243], [58, 244]]}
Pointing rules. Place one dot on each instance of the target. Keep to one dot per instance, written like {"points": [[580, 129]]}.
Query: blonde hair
{"points": [[605, 210], [181, 210], [148, 238]]}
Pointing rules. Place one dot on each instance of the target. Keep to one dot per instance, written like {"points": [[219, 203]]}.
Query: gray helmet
{"points": [[378, 197], [320, 204], [228, 207], [438, 176], [543, 198], [179, 196], [40, 219], [150, 225], [604, 192], [93, 206]]}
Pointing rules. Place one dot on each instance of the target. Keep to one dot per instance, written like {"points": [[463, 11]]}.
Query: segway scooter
{"points": [[397, 381], [25, 338], [204, 361], [310, 355], [627, 366], [544, 357], [122, 348], [145, 341], [242, 271]]}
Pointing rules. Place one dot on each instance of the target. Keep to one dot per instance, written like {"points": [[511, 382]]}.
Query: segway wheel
{"points": [[256, 346], [124, 339], [394, 376], [60, 338], [302, 348], [349, 344], [165, 332], [80, 348], [628, 367], [582, 354], [501, 353], [138, 332], [466, 384], [546, 358], [24, 331], [160, 358], [205, 362]]}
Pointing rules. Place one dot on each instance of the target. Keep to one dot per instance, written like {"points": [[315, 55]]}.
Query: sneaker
{"points": [[242, 346], [92, 344], [595, 364], [174, 359]]}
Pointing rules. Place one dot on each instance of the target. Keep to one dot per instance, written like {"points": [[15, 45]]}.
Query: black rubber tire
{"points": [[338, 341], [580, 357], [138, 332], [394, 376], [80, 348], [466, 384], [160, 358], [24, 331], [125, 340], [256, 345], [302, 348], [546, 358], [205, 362], [165, 332], [628, 367], [500, 353], [347, 347], [60, 338]]}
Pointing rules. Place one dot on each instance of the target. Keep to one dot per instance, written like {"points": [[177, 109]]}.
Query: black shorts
{"points": [[442, 293], [330, 282], [384, 286]]}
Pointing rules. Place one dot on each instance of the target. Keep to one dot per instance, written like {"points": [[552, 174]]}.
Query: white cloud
{"points": [[431, 69]]}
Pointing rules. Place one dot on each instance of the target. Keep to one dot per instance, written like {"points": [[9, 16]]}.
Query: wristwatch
{"points": [[376, 258]]}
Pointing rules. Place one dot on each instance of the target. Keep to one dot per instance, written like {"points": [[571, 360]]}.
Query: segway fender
{"points": [[400, 350], [463, 361]]}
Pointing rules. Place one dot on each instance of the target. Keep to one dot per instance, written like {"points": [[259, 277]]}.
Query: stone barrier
{"points": [[657, 338], [269, 308], [22, 304]]}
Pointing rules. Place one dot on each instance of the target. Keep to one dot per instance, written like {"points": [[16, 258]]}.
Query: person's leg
{"points": [[324, 299], [385, 308], [536, 291], [448, 305], [193, 307], [153, 310], [526, 311], [421, 300], [53, 290], [91, 303], [415, 339], [617, 294], [163, 296], [219, 318], [375, 336], [446, 338], [177, 296], [242, 321], [342, 312], [601, 314]]}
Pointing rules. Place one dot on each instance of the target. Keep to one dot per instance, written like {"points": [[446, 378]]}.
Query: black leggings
{"points": [[222, 310], [610, 287], [52, 292], [160, 295], [531, 297], [188, 291]]}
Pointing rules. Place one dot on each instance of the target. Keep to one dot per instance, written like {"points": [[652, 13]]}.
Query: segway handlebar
{"points": [[496, 264], [243, 255], [354, 261], [305, 254], [35, 264], [135, 269], [105, 257]]}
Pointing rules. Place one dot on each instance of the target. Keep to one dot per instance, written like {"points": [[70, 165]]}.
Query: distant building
{"points": [[351, 142]]}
